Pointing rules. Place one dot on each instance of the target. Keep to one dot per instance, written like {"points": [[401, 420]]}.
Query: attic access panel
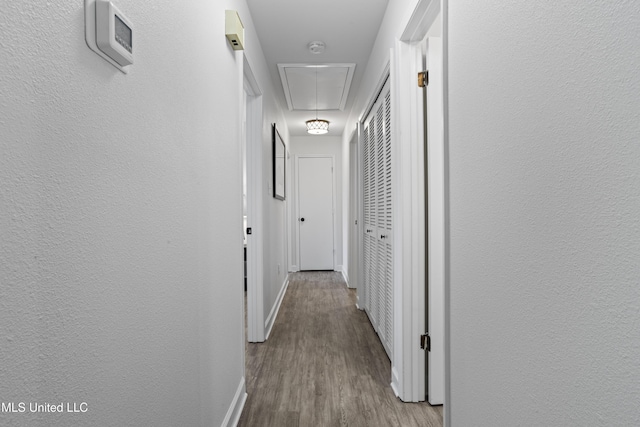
{"points": [[299, 84]]}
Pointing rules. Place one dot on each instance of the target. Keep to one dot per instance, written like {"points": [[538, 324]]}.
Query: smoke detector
{"points": [[316, 47]]}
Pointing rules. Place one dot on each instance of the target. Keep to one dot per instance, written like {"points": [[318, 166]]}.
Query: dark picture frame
{"points": [[279, 165]]}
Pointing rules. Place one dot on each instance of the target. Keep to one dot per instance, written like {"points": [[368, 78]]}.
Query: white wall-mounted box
{"points": [[234, 29]]}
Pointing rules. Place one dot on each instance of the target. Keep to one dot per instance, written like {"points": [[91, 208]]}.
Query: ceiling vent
{"points": [[299, 84]]}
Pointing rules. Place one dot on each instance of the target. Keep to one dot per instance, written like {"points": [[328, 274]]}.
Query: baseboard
{"points": [[395, 382], [345, 275], [271, 319], [294, 269], [235, 410]]}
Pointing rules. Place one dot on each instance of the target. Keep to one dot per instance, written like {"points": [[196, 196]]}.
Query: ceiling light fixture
{"points": [[317, 126]]}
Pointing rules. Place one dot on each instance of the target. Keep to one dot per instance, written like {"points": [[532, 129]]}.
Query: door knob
{"points": [[302, 219]]}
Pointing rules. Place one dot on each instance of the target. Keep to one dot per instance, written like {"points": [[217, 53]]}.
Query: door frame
{"points": [[353, 220], [409, 243], [361, 292], [333, 201], [254, 154], [408, 364], [435, 217]]}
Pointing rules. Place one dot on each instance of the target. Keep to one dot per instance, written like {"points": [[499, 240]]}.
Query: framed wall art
{"points": [[279, 164]]}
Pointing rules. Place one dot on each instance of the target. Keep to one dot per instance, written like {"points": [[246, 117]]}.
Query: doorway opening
{"points": [[252, 154], [420, 52]]}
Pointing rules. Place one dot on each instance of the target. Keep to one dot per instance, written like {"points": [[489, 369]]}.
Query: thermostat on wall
{"points": [[109, 33], [114, 33]]}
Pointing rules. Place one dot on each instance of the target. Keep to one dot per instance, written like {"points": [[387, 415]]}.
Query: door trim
{"points": [[446, 213], [361, 292], [408, 365], [353, 219], [254, 154], [435, 205]]}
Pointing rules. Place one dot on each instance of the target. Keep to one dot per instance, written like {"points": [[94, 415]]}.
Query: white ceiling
{"points": [[347, 27]]}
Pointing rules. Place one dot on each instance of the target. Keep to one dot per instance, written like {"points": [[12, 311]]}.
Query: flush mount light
{"points": [[316, 47], [317, 126]]}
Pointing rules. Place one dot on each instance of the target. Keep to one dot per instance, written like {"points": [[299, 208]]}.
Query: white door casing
{"points": [[435, 205], [315, 184], [408, 363], [354, 204], [252, 106]]}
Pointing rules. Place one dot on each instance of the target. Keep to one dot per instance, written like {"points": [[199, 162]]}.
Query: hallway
{"points": [[323, 365]]}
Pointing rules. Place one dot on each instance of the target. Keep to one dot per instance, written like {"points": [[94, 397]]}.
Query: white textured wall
{"points": [[120, 204], [275, 227], [318, 145], [545, 213]]}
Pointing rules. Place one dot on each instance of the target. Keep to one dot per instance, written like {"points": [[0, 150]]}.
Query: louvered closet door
{"points": [[380, 187], [385, 224], [366, 194], [370, 243], [378, 271]]}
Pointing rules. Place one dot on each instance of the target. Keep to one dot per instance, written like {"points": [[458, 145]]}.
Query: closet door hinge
{"points": [[423, 79], [425, 342]]}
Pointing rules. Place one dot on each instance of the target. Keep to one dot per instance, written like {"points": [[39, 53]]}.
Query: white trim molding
{"points": [[395, 381], [234, 412], [360, 294], [271, 319], [408, 362], [345, 274], [446, 213]]}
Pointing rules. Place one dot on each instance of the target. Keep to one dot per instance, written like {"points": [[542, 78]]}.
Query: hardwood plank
{"points": [[324, 365]]}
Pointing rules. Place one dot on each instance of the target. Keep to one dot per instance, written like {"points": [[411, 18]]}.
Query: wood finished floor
{"points": [[323, 365]]}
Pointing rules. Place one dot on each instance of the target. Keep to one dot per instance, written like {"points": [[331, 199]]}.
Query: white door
{"points": [[315, 212]]}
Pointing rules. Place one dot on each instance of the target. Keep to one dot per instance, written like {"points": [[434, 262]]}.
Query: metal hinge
{"points": [[423, 79], [425, 342]]}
